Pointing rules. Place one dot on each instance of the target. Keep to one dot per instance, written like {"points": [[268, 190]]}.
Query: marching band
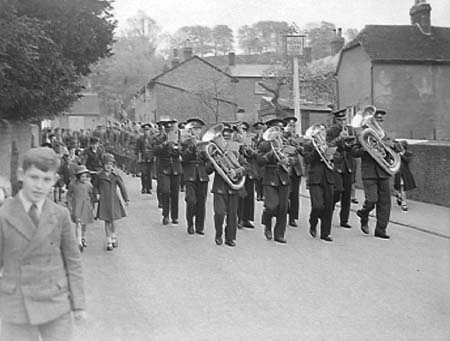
{"points": [[269, 161]]}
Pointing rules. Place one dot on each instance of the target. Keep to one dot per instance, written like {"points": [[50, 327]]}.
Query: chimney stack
{"points": [[337, 43], [187, 52], [420, 16], [231, 59], [175, 60]]}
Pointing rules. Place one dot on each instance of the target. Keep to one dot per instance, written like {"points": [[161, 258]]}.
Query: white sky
{"points": [[173, 14]]}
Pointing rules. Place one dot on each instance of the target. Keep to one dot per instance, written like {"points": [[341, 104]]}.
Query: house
{"points": [[191, 88], [403, 69], [84, 114]]}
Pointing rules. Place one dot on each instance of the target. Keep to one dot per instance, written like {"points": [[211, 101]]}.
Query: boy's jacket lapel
{"points": [[23, 223]]}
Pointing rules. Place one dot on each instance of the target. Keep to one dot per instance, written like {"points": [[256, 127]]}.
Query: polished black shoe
{"points": [[382, 235], [365, 229], [248, 224], [83, 242], [143, 191], [81, 248], [175, 221], [313, 231], [190, 230], [280, 240], [219, 240], [292, 223], [109, 247], [355, 201], [230, 243], [200, 232], [346, 225], [268, 233], [239, 225], [182, 189], [149, 191], [165, 221], [326, 238]]}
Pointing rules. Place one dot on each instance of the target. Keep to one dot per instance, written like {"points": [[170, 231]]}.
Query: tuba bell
{"points": [[371, 138], [278, 145], [317, 134], [222, 158]]}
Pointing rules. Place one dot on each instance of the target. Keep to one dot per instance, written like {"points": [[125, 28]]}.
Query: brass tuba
{"points": [[222, 158], [278, 145], [317, 134], [371, 138]]}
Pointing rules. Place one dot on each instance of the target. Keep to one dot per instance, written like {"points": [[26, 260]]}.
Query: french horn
{"points": [[371, 138], [222, 158], [317, 134]]}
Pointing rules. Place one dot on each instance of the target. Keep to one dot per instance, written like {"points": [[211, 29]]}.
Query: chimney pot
{"points": [[231, 59]]}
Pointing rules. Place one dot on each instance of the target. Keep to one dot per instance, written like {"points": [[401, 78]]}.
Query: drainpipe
{"points": [[371, 84]]}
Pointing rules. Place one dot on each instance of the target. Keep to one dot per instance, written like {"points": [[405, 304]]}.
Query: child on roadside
{"points": [[80, 202], [110, 207], [404, 179]]}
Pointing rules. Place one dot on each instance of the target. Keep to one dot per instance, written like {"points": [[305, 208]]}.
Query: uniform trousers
{"points": [[226, 204], [276, 205], [246, 207], [60, 329], [195, 197], [377, 194], [344, 195], [294, 202], [322, 202], [146, 174], [169, 186], [259, 188]]}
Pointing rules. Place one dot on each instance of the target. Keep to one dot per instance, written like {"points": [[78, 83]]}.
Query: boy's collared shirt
{"points": [[27, 203]]}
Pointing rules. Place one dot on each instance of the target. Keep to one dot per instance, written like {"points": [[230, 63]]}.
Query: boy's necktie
{"points": [[33, 213]]}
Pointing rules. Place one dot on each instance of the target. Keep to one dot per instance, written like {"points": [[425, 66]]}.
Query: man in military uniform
{"points": [[377, 192], [258, 128], [297, 169], [276, 183], [195, 176], [321, 189], [169, 163], [226, 199], [246, 207], [144, 153], [344, 163]]}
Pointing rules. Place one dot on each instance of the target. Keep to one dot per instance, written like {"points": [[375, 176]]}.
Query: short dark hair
{"points": [[43, 158]]}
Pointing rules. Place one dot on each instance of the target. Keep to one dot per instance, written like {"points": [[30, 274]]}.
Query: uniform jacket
{"points": [[193, 167], [110, 206], [41, 266], [344, 161], [297, 162], [168, 158], [144, 148], [317, 169], [273, 173], [369, 167]]}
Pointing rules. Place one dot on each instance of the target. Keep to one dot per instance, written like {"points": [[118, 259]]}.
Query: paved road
{"points": [[162, 284]]}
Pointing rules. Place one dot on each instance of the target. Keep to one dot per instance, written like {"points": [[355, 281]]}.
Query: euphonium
{"points": [[224, 161], [371, 138], [275, 136], [317, 134]]}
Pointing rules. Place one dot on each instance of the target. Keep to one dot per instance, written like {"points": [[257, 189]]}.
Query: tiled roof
{"points": [[251, 70], [404, 43], [222, 61]]}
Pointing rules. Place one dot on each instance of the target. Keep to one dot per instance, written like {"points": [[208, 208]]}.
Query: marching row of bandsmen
{"points": [[268, 162]]}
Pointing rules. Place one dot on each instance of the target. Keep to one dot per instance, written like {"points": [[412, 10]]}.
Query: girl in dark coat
{"points": [[404, 179], [80, 200], [110, 207]]}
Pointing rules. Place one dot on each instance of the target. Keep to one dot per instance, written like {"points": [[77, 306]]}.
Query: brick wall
{"points": [[15, 140]]}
